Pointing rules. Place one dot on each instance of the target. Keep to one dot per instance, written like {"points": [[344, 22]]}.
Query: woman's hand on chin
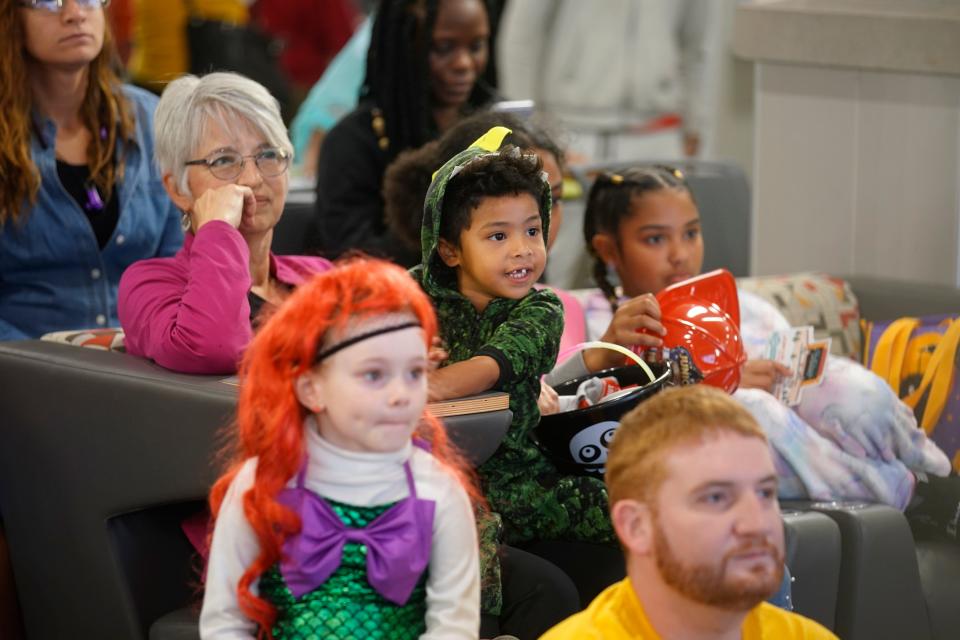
{"points": [[227, 203]]}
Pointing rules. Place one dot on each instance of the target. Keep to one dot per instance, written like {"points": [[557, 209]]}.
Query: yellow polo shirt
{"points": [[616, 614]]}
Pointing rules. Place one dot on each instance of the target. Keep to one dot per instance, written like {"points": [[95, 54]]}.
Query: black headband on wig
{"points": [[332, 349]]}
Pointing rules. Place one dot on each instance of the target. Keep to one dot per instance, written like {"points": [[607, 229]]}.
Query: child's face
{"points": [[369, 396], [502, 253], [659, 242]]}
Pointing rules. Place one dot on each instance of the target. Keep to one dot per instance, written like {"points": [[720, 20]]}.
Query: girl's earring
{"points": [[612, 276]]}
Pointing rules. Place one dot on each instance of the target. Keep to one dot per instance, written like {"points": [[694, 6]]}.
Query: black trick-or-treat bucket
{"points": [[576, 441]]}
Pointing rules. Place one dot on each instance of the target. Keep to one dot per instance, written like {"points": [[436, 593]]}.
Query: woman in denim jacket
{"points": [[80, 198]]}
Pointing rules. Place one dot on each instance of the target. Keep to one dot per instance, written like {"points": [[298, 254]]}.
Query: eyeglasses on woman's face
{"points": [[55, 6], [227, 165]]}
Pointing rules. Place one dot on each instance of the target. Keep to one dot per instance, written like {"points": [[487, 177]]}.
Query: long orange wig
{"points": [[270, 418], [105, 108]]}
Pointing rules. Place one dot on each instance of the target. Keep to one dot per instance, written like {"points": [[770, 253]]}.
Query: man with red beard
{"points": [[693, 499]]}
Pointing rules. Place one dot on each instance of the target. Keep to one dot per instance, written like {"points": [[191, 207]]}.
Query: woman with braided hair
{"points": [[423, 74]]}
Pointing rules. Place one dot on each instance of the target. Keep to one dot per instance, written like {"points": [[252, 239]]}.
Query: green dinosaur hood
{"points": [[437, 278]]}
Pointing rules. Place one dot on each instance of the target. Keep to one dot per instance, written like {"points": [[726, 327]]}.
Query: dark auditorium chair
{"points": [[813, 556], [102, 455], [880, 591], [296, 224], [939, 565]]}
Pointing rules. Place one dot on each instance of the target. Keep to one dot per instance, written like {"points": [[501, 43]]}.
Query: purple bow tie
{"points": [[398, 544]]}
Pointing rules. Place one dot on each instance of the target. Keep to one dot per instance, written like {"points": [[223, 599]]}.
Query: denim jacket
{"points": [[53, 274]]}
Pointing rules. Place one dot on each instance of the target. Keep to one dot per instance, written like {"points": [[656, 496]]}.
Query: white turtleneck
{"points": [[361, 479]]}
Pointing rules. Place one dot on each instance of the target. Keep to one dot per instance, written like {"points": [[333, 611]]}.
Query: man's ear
{"points": [[448, 253], [605, 245], [309, 391], [184, 201], [633, 522]]}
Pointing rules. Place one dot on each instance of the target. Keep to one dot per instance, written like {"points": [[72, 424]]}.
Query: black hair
{"points": [[610, 201], [507, 173], [407, 179], [397, 80], [525, 134]]}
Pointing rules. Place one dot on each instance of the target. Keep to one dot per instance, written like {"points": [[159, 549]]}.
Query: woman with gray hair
{"points": [[223, 151]]}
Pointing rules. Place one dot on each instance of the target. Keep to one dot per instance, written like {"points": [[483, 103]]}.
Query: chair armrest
{"points": [[887, 299]]}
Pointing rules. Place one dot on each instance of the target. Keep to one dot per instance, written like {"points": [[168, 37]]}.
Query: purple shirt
{"points": [[190, 313]]}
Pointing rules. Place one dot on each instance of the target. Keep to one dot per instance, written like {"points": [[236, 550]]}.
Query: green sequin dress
{"points": [[346, 607]]}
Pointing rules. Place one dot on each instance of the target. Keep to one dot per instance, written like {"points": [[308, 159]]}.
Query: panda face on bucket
{"points": [[589, 446]]}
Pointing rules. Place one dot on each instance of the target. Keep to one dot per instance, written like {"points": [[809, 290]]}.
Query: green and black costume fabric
{"points": [[534, 499]]}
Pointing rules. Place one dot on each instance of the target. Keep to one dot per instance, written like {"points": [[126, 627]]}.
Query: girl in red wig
{"points": [[334, 520]]}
